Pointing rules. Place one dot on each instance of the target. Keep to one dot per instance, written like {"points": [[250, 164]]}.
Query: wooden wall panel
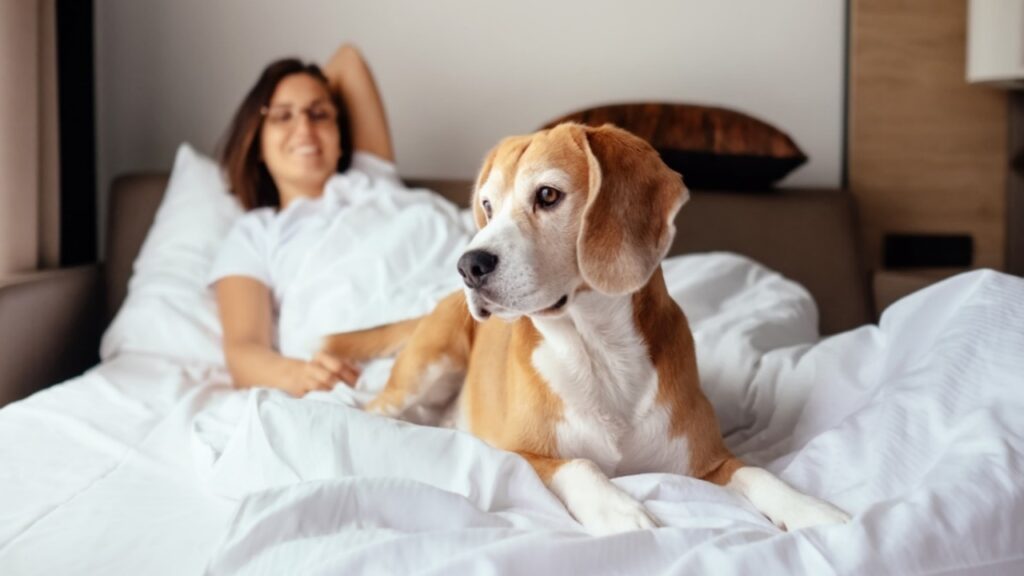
{"points": [[926, 150]]}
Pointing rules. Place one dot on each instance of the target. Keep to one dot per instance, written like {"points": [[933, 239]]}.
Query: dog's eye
{"points": [[547, 197], [487, 208]]}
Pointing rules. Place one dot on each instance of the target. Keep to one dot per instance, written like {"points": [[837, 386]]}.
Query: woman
{"points": [[288, 138]]}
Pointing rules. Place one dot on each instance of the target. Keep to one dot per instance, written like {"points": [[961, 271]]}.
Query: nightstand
{"points": [[889, 286]]}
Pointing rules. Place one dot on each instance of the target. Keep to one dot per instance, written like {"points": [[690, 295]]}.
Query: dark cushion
{"points": [[713, 148]]}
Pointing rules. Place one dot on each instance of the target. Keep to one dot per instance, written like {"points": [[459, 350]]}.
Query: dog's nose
{"points": [[475, 265]]}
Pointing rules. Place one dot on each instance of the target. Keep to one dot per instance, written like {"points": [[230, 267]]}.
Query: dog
{"points": [[564, 345]]}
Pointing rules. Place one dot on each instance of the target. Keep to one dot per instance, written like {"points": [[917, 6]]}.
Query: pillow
{"points": [[713, 148], [169, 310]]}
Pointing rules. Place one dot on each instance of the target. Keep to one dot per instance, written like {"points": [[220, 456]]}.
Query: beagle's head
{"points": [[564, 210]]}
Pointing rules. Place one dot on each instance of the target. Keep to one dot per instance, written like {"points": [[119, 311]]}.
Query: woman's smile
{"points": [[305, 150]]}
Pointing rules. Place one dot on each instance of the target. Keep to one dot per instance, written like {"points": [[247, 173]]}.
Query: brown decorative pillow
{"points": [[713, 148]]}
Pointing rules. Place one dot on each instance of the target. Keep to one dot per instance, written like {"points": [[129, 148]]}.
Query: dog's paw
{"points": [[786, 507], [620, 513], [807, 512], [600, 506]]}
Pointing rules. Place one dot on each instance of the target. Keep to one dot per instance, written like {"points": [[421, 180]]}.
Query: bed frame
{"points": [[50, 321]]}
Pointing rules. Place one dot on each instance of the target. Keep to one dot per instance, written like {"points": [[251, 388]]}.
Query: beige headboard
{"points": [[807, 235]]}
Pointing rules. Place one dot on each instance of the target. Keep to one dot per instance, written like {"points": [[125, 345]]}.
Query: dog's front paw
{"points": [[600, 506], [809, 511], [618, 513], [786, 507]]}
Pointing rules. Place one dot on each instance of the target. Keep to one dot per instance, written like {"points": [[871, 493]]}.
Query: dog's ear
{"points": [[485, 172], [628, 222]]}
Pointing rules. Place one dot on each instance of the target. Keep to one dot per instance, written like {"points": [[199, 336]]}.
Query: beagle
{"points": [[565, 346]]}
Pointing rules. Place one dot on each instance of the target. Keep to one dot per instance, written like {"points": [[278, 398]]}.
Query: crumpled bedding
{"points": [[152, 465]]}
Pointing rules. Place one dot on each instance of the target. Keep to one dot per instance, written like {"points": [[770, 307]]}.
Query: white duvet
{"points": [[154, 465]]}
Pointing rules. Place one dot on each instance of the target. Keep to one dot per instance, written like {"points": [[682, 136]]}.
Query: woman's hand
{"points": [[246, 312], [321, 373]]}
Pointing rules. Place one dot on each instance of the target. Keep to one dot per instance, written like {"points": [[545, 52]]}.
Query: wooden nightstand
{"points": [[889, 286]]}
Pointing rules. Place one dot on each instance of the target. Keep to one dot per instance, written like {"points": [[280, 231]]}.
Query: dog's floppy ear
{"points": [[632, 201]]}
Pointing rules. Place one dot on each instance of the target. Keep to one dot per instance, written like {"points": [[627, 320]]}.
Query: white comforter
{"points": [[147, 465]]}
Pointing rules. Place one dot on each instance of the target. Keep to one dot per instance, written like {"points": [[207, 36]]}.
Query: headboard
{"points": [[807, 235]]}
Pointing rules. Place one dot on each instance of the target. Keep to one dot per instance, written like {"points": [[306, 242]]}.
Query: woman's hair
{"points": [[247, 174]]}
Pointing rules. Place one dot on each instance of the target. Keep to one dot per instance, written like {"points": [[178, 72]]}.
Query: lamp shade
{"points": [[995, 42]]}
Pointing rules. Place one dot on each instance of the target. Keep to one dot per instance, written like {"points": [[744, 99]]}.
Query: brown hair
{"points": [[247, 174]]}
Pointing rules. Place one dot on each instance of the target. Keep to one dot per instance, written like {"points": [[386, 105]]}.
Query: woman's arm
{"points": [[246, 315], [348, 74]]}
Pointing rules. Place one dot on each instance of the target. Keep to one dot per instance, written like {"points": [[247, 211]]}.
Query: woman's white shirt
{"points": [[368, 251]]}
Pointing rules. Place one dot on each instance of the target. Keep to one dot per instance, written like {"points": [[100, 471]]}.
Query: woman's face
{"points": [[299, 142]]}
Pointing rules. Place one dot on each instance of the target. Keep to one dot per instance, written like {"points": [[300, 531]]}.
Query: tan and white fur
{"points": [[565, 346]]}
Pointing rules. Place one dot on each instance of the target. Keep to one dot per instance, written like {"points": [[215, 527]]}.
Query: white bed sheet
{"points": [[97, 474], [156, 466]]}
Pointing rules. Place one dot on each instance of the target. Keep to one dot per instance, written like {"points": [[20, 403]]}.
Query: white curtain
{"points": [[28, 132]]}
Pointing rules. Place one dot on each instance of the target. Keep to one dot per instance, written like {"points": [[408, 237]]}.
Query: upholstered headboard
{"points": [[807, 235]]}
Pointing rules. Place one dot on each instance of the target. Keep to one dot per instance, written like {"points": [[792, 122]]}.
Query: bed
{"points": [[151, 463]]}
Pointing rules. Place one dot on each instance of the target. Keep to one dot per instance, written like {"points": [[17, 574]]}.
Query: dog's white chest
{"points": [[600, 367]]}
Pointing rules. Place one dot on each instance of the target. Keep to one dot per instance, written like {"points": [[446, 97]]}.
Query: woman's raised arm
{"points": [[348, 74]]}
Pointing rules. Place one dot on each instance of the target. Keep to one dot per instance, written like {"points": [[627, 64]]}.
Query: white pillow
{"points": [[169, 310]]}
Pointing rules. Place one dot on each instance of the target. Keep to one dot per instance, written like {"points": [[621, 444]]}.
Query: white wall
{"points": [[457, 75]]}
